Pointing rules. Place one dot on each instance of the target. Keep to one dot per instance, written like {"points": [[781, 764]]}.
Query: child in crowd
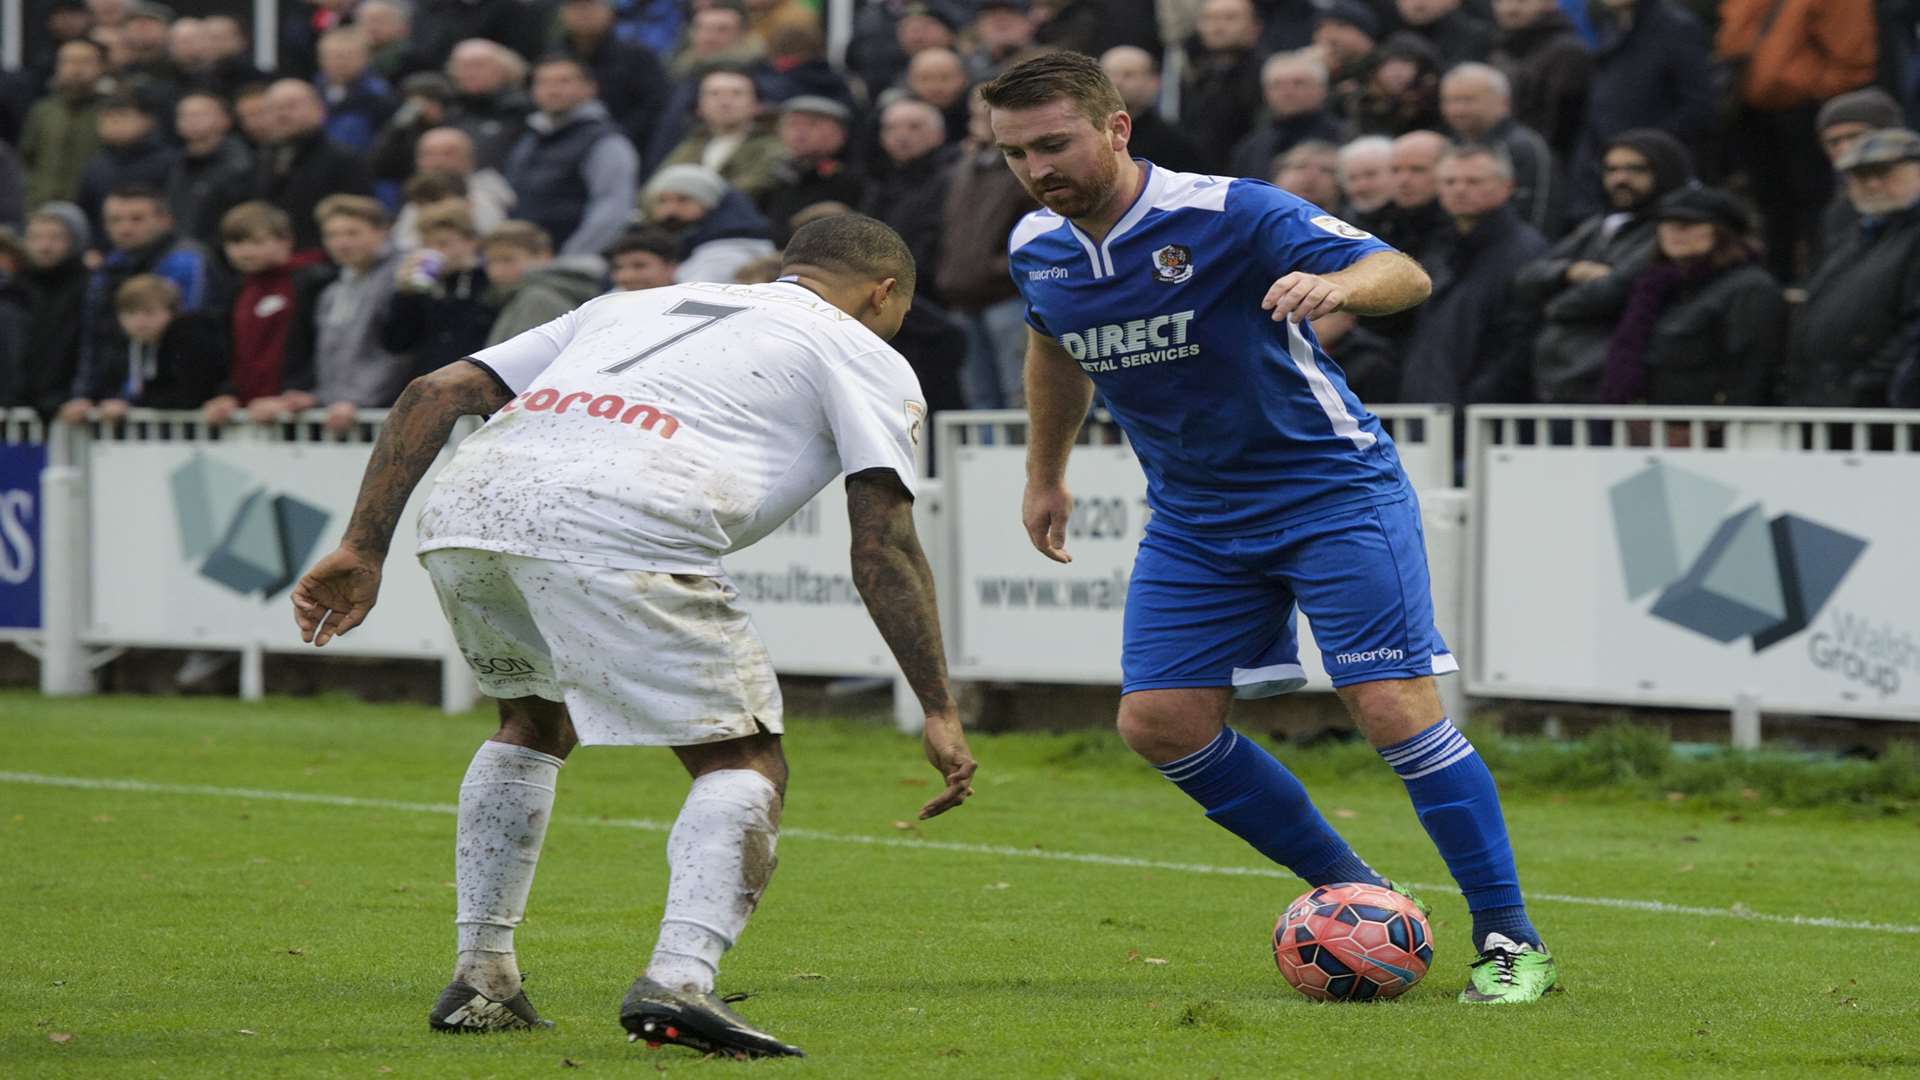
{"points": [[441, 309], [530, 285], [174, 360], [645, 257], [258, 238], [335, 358]]}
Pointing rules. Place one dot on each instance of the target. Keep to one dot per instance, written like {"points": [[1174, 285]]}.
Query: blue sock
{"points": [[1454, 795], [1254, 797]]}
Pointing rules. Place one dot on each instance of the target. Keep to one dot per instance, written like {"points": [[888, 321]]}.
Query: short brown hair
{"points": [[255, 219], [360, 207], [144, 292], [1050, 76], [523, 235], [451, 214], [434, 185]]}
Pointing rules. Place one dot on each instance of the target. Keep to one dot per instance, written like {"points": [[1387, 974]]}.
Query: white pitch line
{"points": [[1659, 907]]}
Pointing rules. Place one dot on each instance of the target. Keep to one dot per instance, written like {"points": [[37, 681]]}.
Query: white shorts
{"points": [[639, 658]]}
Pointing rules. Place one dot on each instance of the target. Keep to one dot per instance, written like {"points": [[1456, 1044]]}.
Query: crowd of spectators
{"points": [[1683, 202]]}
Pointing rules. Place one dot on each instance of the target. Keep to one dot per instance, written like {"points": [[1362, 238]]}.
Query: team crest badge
{"points": [[916, 419], [1173, 264]]}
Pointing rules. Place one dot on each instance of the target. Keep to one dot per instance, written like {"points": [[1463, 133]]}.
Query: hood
{"points": [[733, 217], [577, 277], [1671, 161]]}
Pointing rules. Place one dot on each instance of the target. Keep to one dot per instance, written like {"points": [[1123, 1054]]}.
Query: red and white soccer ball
{"points": [[1352, 943]]}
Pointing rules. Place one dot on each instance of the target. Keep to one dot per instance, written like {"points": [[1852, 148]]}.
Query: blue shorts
{"points": [[1219, 611]]}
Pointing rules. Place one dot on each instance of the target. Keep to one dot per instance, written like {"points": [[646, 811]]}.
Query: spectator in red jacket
{"points": [[258, 238]]}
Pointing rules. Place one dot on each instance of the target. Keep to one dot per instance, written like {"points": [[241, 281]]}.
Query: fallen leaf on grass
{"points": [[809, 976], [1343, 812], [1157, 960], [1676, 796], [1749, 794], [1132, 955], [248, 1031], [61, 1037], [569, 1063], [951, 1051], [903, 826], [296, 952]]}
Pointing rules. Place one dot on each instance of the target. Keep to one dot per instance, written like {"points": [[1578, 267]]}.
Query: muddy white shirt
{"points": [[661, 429]]}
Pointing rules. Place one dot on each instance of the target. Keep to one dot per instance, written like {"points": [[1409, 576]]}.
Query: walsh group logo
{"points": [[1724, 575], [241, 536]]}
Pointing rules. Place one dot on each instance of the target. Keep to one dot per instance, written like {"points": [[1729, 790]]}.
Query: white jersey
{"points": [[661, 429]]}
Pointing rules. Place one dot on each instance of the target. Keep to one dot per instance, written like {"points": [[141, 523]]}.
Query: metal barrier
{"points": [[1715, 558]]}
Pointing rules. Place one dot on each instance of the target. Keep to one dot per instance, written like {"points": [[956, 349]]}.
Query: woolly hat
{"points": [[71, 216], [696, 182]]}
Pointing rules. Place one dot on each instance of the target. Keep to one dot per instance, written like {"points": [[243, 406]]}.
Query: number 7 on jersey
{"points": [[708, 314]]}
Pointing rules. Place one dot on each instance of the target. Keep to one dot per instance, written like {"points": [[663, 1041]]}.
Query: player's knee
{"points": [[759, 753], [538, 725], [1161, 735], [1392, 710]]}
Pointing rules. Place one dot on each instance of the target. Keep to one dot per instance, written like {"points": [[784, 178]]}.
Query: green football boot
{"points": [[1509, 973]]}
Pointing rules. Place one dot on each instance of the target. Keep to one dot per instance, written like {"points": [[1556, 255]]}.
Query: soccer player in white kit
{"points": [[575, 544]]}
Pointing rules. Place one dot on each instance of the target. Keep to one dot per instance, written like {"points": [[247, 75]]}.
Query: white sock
{"points": [[506, 800], [721, 854]]}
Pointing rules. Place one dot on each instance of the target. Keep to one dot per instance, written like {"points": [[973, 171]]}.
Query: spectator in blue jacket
{"points": [[141, 231], [358, 100]]}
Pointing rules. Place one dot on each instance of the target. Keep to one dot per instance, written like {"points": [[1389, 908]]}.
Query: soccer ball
{"points": [[1352, 943]]}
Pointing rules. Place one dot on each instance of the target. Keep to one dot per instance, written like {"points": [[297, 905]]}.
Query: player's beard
{"points": [[1079, 198]]}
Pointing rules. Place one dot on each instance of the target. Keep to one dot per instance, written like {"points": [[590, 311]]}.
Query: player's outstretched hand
{"points": [[1300, 297], [1045, 511], [335, 596], [947, 752]]}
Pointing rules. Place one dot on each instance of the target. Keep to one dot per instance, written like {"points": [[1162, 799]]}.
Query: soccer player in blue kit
{"points": [[1188, 301]]}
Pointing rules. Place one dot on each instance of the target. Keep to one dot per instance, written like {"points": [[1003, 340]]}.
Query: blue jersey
{"points": [[1243, 425]]}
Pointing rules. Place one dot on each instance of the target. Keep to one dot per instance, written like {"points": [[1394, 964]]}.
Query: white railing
{"points": [[1743, 519]]}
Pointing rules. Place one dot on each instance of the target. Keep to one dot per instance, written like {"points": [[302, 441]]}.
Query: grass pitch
{"points": [[201, 919]]}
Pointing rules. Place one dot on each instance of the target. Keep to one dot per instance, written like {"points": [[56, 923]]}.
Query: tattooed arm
{"points": [[336, 595], [891, 572]]}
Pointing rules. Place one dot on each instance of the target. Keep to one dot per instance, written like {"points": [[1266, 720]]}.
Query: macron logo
{"points": [[1051, 273], [1369, 656]]}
